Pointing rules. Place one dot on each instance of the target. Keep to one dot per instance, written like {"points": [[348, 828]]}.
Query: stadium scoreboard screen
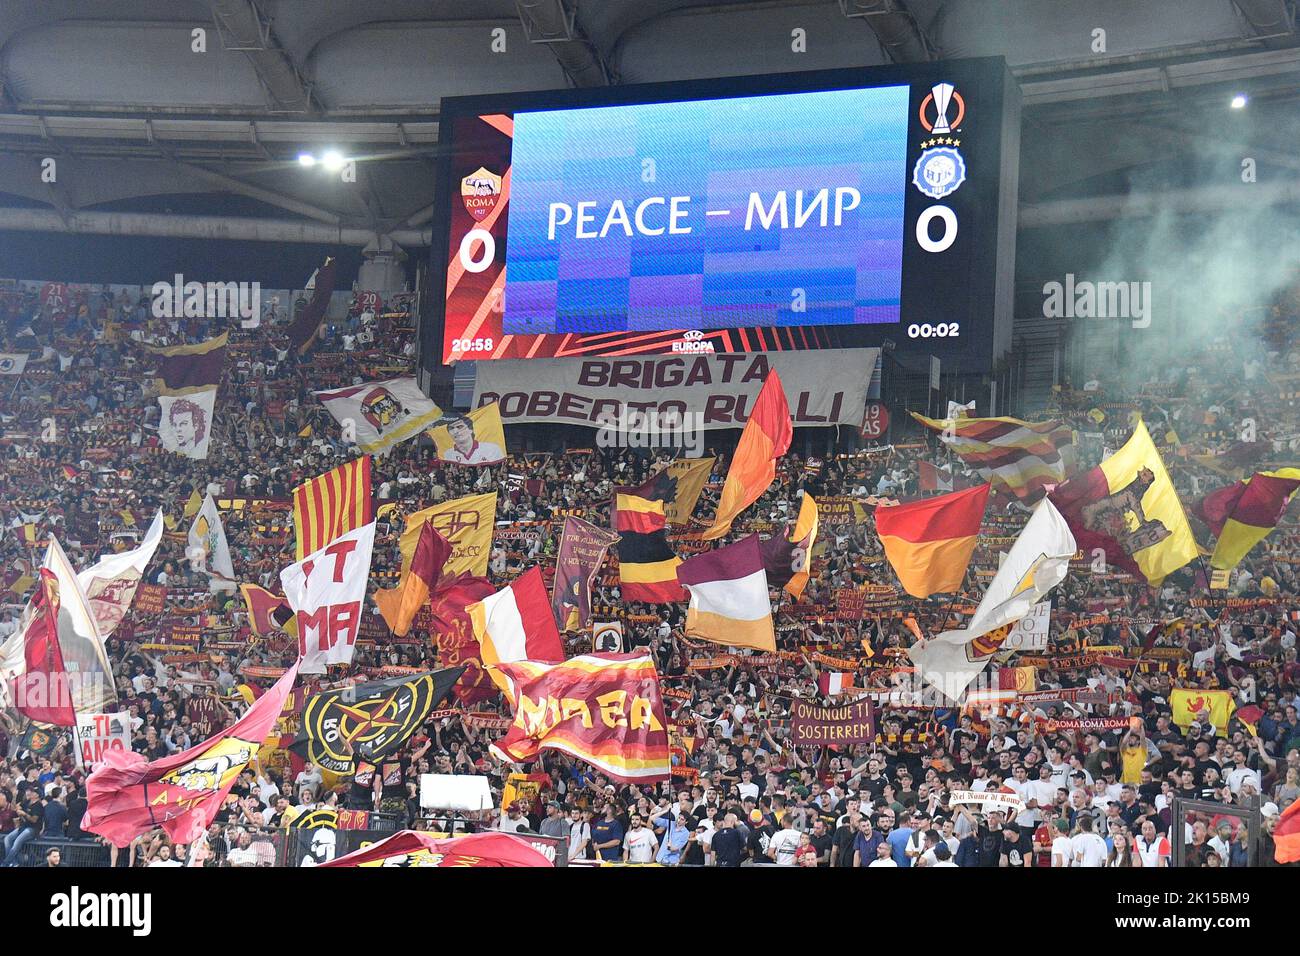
{"points": [[789, 212]]}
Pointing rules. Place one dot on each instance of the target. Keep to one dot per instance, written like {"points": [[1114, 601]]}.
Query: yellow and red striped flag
{"points": [[766, 438], [929, 542], [332, 504], [1022, 457]]}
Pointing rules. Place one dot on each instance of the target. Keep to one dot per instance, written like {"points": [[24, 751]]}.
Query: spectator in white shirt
{"points": [[1088, 848]]}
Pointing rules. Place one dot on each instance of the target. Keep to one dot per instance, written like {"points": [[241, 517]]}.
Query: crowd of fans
{"points": [[78, 439]]}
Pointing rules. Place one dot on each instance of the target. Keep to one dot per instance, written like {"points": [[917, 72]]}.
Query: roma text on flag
{"points": [[1242, 514], [379, 415], [399, 605], [128, 795], [326, 591], [582, 551], [332, 504], [929, 543], [604, 709], [647, 565], [766, 438], [1127, 506], [1022, 457], [467, 525], [1037, 562], [516, 624], [729, 600]]}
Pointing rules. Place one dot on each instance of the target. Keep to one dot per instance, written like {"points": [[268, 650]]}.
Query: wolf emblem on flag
{"points": [[1110, 515], [214, 770], [381, 409]]}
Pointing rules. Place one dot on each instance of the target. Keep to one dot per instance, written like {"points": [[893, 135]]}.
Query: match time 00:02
{"points": [[940, 330]]}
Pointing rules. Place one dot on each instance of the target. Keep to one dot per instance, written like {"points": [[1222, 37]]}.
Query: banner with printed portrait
{"points": [[476, 438], [186, 423]]}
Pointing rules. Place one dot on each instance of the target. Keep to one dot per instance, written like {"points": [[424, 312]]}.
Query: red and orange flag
{"points": [[766, 438], [929, 542]]}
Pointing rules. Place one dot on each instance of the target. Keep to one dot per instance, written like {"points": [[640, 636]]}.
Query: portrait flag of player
{"points": [[475, 438], [128, 796], [186, 378]]}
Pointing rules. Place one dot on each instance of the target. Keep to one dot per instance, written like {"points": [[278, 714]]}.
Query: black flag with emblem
{"points": [[369, 721]]}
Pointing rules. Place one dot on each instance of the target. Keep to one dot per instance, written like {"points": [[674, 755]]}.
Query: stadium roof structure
{"points": [[138, 116]]}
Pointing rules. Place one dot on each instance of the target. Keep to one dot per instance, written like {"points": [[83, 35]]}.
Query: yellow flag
{"points": [[305, 433], [193, 505], [1158, 537], [804, 537], [465, 522], [476, 438], [1187, 702]]}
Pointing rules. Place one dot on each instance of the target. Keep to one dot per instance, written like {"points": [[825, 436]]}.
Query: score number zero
{"points": [[939, 330]]}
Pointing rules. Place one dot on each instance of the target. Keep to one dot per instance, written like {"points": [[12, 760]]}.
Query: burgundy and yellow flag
{"points": [[1127, 507], [399, 605], [929, 543], [766, 438], [604, 709], [1242, 514]]}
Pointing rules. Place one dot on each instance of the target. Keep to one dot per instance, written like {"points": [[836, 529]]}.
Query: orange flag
{"points": [[399, 605], [766, 438], [929, 542]]}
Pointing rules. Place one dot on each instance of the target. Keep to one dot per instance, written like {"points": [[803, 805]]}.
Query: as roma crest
{"points": [[479, 192]]}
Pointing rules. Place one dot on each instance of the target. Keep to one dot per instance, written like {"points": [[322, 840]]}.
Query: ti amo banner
{"points": [[326, 591], [812, 726]]}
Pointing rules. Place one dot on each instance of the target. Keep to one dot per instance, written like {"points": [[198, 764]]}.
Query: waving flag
{"points": [[110, 584], [604, 709], [379, 415], [729, 600], [766, 438], [399, 605], [305, 326], [1036, 563], [39, 690], [208, 547], [788, 560], [582, 551], [326, 591], [929, 543], [332, 504], [1186, 702], [413, 848], [516, 624], [467, 525], [370, 721], [128, 796], [1127, 506], [1286, 835], [1242, 514], [268, 612], [453, 633], [1022, 457], [86, 676], [187, 377], [647, 565]]}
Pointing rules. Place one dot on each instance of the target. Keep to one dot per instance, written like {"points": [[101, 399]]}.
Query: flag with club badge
{"points": [[1037, 562], [370, 721]]}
